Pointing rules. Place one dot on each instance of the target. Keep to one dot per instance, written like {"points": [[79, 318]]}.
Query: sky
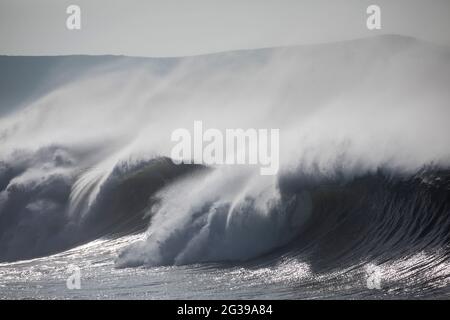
{"points": [[178, 28]]}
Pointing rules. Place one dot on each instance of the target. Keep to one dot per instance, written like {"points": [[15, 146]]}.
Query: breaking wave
{"points": [[364, 156]]}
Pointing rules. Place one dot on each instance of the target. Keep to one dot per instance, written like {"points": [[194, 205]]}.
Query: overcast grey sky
{"points": [[175, 28]]}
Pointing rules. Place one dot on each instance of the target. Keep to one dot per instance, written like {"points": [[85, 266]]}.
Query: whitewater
{"points": [[86, 177]]}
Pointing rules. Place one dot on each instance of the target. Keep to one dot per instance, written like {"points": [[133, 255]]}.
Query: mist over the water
{"points": [[346, 108]]}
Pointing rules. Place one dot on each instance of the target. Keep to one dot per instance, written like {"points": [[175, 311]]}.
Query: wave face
{"points": [[364, 150], [335, 222]]}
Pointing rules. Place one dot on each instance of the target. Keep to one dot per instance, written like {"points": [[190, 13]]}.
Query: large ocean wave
{"points": [[364, 151]]}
